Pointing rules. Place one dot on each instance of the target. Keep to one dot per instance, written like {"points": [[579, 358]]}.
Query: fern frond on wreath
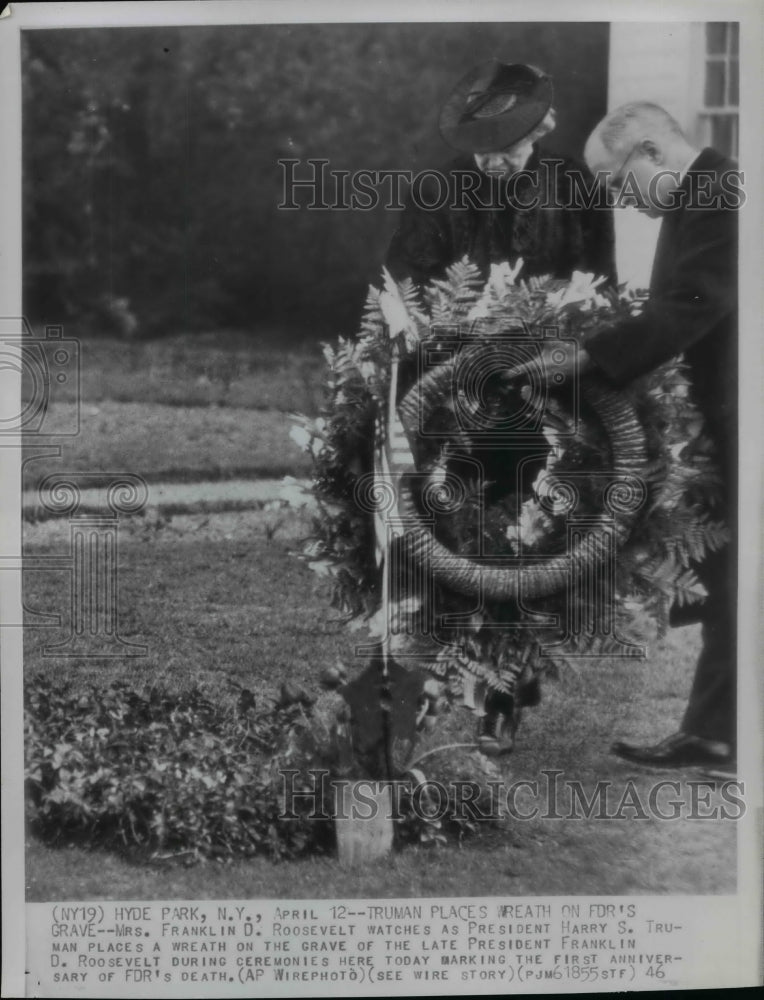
{"points": [[652, 425]]}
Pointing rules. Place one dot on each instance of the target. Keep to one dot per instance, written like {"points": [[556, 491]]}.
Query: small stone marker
{"points": [[364, 823]]}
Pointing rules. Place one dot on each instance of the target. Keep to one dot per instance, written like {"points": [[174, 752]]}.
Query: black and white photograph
{"points": [[381, 512]]}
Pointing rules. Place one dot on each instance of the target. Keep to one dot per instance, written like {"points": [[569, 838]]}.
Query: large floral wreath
{"points": [[547, 523]]}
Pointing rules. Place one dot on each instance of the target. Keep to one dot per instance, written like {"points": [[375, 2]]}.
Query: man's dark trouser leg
{"points": [[712, 706]]}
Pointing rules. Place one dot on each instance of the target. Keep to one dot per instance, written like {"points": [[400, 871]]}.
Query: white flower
{"points": [[581, 288], [541, 484], [544, 488], [293, 492], [534, 524], [635, 298], [595, 302], [301, 436], [322, 567], [438, 476], [377, 625], [554, 440], [584, 283], [502, 276], [512, 534], [308, 434], [368, 370], [404, 608], [531, 527], [694, 428], [480, 309]]}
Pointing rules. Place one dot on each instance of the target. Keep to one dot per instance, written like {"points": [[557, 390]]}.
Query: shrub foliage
{"points": [[175, 774], [180, 776], [151, 174]]}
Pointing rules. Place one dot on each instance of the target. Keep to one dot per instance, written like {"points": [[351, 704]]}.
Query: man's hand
{"points": [[555, 362]]}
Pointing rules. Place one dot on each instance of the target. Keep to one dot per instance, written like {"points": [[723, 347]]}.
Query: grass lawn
{"points": [[224, 368], [174, 443], [217, 606], [214, 600], [185, 409]]}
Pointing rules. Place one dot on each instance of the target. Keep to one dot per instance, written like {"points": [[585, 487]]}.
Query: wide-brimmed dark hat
{"points": [[494, 106]]}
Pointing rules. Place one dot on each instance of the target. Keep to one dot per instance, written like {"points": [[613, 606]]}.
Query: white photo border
{"points": [[747, 935]]}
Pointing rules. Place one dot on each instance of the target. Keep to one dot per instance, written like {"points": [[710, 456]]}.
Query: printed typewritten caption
{"points": [[330, 948]]}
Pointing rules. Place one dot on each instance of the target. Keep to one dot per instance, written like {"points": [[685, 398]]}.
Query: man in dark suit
{"points": [[502, 198], [692, 310]]}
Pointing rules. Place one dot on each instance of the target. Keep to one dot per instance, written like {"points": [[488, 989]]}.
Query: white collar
{"points": [[688, 164]]}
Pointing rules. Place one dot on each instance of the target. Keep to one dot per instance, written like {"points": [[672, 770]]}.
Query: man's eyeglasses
{"points": [[615, 181]]}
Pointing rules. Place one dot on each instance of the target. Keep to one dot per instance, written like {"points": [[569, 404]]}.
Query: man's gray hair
{"points": [[622, 124]]}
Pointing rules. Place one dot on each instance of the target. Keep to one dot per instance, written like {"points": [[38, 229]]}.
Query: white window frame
{"points": [[708, 113]]}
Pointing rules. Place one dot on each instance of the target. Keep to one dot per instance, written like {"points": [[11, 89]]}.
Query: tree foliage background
{"points": [[151, 174]]}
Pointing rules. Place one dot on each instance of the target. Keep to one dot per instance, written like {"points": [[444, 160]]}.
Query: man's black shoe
{"points": [[679, 750]]}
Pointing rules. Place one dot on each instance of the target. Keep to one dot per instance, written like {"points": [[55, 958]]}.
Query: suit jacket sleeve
{"points": [[692, 293], [599, 243]]}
